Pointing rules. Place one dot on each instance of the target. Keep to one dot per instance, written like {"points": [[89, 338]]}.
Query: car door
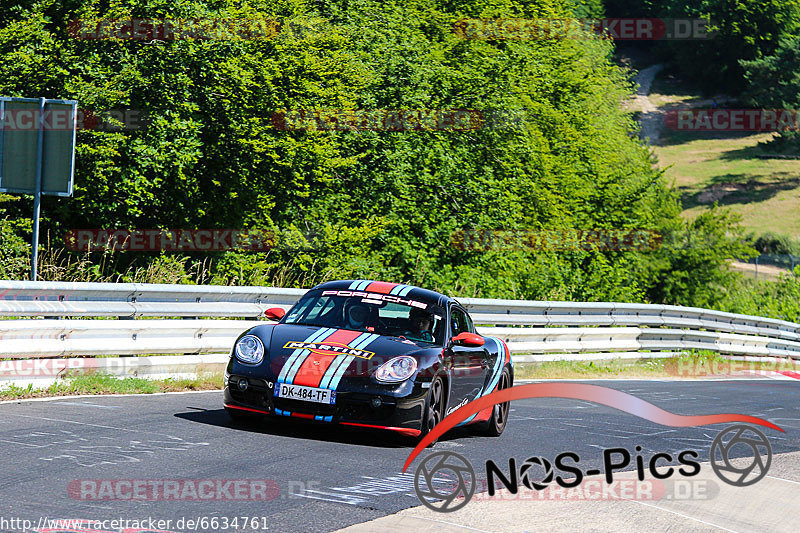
{"points": [[491, 365], [468, 363]]}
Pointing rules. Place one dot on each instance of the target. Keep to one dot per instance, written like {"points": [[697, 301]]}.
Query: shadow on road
{"points": [[307, 430]]}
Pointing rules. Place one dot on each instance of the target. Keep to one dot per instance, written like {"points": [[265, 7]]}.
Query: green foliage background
{"points": [[361, 204]]}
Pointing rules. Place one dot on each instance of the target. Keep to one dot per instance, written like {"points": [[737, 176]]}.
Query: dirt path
{"points": [[652, 115], [759, 271], [651, 118]]}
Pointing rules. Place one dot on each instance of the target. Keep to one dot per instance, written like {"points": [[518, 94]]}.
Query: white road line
{"points": [[786, 480], [95, 396], [89, 404], [96, 425], [450, 523]]}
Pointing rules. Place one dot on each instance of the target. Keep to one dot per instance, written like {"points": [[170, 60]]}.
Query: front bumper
{"points": [[359, 402]]}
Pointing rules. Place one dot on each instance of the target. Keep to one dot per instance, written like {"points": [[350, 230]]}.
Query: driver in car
{"points": [[356, 316], [421, 324]]}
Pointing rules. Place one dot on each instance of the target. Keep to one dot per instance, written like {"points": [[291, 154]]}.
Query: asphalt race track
{"points": [[325, 477]]}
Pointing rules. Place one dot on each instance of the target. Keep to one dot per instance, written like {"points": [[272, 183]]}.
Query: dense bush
{"points": [[775, 299], [15, 252], [355, 204], [773, 243], [693, 266]]}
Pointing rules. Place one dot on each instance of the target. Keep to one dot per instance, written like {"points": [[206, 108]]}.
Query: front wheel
{"points": [[496, 424], [434, 407]]}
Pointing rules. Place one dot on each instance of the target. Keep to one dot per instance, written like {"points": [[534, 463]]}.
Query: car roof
{"points": [[385, 287]]}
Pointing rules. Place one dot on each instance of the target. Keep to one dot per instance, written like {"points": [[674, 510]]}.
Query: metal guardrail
{"points": [[65, 338], [529, 327], [540, 313], [132, 300], [44, 372]]}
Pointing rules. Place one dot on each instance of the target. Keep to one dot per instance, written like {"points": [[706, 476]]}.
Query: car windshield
{"points": [[419, 320]]}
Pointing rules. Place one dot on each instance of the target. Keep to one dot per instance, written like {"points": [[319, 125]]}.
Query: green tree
{"points": [[743, 30], [354, 202], [693, 268], [774, 82]]}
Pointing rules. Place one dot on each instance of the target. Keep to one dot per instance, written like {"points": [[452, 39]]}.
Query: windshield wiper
{"points": [[308, 324]]}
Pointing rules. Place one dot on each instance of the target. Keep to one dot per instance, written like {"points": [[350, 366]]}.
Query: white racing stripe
{"points": [[293, 362]]}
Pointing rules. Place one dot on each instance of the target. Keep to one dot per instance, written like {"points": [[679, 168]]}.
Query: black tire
{"points": [[496, 424], [434, 407]]}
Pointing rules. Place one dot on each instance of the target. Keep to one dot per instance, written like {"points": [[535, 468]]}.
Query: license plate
{"points": [[308, 394]]}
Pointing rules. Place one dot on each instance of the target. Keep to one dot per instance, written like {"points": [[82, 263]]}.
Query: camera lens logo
{"points": [[527, 474], [444, 482], [733, 441]]}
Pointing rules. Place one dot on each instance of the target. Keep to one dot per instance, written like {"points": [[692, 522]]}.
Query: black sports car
{"points": [[371, 354]]}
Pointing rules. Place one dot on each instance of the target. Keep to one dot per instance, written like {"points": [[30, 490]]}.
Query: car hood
{"points": [[306, 355]]}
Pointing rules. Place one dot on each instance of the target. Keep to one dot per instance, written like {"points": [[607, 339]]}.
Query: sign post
{"points": [[37, 152]]}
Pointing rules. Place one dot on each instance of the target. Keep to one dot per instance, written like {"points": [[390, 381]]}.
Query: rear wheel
{"points": [[496, 424], [434, 407]]}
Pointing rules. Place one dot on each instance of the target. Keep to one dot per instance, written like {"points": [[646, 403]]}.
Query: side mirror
{"points": [[275, 313], [468, 339]]}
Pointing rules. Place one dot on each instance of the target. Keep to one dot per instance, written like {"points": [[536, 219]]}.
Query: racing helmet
{"points": [[356, 314]]}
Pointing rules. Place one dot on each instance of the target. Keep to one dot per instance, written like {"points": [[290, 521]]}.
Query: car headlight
{"points": [[250, 350], [397, 369]]}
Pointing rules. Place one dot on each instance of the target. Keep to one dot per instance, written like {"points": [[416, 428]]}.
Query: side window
{"points": [[297, 312], [470, 325], [460, 322], [322, 307], [313, 310]]}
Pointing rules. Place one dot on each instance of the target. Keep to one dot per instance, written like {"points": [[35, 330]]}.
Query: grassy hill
{"points": [[728, 168]]}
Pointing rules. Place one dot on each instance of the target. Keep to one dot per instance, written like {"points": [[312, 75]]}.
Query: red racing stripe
{"points": [[310, 374], [312, 369], [381, 287], [245, 409], [405, 431], [484, 415]]}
